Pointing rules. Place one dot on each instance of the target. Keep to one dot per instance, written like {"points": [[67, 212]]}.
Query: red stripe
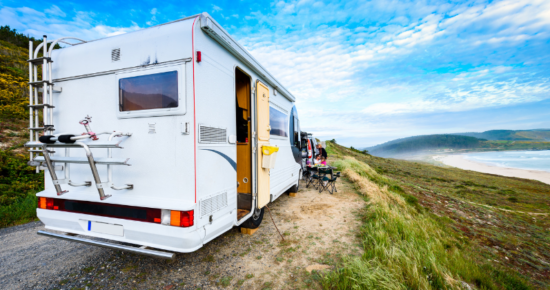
{"points": [[194, 106]]}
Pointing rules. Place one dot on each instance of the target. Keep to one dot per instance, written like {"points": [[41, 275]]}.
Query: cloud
{"points": [[55, 23], [54, 10], [337, 62], [365, 68]]}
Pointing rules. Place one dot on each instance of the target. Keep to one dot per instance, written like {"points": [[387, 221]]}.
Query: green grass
{"points": [[19, 212], [427, 227]]}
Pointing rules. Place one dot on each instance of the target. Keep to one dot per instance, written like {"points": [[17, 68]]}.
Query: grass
{"points": [[17, 180], [428, 227], [20, 212]]}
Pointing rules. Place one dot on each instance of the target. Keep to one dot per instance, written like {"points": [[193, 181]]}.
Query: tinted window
{"points": [[294, 135], [278, 122], [156, 91]]}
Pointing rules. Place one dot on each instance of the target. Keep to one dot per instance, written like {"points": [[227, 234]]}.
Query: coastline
{"points": [[459, 161]]}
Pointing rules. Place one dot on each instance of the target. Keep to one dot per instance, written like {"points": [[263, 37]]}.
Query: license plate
{"points": [[104, 228]]}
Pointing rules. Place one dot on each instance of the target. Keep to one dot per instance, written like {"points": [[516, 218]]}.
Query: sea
{"points": [[534, 160]]}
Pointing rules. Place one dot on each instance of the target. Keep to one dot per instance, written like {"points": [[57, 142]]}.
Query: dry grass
{"points": [[406, 246]]}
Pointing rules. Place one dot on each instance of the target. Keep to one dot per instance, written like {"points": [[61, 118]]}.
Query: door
{"points": [[262, 117]]}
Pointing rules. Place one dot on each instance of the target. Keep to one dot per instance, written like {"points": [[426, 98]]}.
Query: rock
{"points": [[318, 267]]}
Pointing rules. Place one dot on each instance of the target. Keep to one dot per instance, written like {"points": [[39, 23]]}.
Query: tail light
{"points": [[309, 151], [46, 203], [178, 218]]}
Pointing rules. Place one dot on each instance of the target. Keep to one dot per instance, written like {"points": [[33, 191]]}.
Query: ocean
{"points": [[535, 160]]}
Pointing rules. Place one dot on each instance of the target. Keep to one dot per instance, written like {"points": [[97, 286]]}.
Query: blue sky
{"points": [[363, 72]]}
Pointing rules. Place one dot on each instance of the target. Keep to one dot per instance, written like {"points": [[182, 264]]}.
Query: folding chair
{"points": [[328, 183], [313, 177]]}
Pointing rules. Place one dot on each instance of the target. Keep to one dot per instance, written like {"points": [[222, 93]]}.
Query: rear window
{"points": [[155, 91]]}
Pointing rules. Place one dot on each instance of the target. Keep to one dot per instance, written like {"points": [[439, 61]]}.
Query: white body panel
{"points": [[169, 169]]}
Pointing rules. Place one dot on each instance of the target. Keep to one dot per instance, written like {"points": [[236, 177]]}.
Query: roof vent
{"points": [[115, 54]]}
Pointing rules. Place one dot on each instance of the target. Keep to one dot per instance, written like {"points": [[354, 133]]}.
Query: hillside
{"points": [[18, 182], [428, 227], [511, 135], [454, 142], [427, 142]]}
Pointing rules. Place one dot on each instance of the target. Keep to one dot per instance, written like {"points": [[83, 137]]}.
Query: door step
{"points": [[241, 213], [248, 231]]}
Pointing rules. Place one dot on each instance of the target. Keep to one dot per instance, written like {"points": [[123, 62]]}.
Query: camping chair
{"points": [[328, 183], [306, 174], [313, 176]]}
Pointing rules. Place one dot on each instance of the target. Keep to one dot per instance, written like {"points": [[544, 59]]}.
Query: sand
{"points": [[461, 162]]}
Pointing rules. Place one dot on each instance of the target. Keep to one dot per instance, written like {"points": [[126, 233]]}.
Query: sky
{"points": [[363, 72]]}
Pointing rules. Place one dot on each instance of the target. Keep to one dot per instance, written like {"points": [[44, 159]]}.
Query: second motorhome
{"points": [[163, 138]]}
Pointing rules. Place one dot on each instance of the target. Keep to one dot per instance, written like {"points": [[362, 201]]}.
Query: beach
{"points": [[461, 162]]}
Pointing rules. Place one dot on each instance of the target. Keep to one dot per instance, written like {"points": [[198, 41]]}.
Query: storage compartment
{"points": [[269, 156]]}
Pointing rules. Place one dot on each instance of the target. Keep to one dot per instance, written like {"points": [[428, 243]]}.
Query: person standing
{"points": [[322, 151]]}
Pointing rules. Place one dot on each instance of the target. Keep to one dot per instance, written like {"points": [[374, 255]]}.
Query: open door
{"points": [[262, 117], [243, 115]]}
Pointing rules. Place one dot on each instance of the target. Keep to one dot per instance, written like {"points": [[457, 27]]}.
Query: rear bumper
{"points": [[141, 251], [182, 240]]}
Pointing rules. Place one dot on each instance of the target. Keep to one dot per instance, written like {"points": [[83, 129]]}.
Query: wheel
{"points": [[255, 220], [296, 186]]}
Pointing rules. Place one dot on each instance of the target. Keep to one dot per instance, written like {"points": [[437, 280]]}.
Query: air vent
{"points": [[213, 204], [115, 54], [212, 135]]}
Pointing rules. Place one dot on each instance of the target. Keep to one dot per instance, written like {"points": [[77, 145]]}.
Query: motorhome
{"points": [[159, 140]]}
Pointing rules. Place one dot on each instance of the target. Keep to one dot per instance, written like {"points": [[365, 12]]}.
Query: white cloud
{"points": [[54, 10], [481, 95], [53, 23], [327, 62]]}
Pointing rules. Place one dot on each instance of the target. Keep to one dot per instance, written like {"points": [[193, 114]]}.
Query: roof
{"points": [[214, 30]]}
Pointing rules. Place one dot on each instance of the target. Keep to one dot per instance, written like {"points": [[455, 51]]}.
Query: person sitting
{"points": [[317, 159], [323, 161]]}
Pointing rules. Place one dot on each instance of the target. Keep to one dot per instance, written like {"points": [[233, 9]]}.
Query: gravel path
{"points": [[318, 230]]}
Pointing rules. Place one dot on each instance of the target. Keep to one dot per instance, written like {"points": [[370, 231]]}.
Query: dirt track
{"points": [[318, 229]]}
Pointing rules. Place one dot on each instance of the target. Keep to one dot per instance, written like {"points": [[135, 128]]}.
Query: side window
{"points": [[278, 122], [154, 91], [294, 128]]}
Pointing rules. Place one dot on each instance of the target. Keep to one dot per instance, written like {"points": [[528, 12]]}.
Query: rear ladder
{"points": [[44, 89]]}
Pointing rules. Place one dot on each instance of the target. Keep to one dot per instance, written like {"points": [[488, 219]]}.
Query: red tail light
{"points": [[199, 56], [45, 203], [309, 151], [187, 218], [182, 218]]}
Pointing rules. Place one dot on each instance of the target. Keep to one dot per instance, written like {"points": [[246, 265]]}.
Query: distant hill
{"points": [[511, 135], [426, 142], [537, 139]]}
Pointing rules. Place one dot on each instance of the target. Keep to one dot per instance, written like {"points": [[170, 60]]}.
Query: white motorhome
{"points": [[163, 138]]}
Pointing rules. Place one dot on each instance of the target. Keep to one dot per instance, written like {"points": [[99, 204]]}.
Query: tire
{"points": [[255, 220], [296, 186]]}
